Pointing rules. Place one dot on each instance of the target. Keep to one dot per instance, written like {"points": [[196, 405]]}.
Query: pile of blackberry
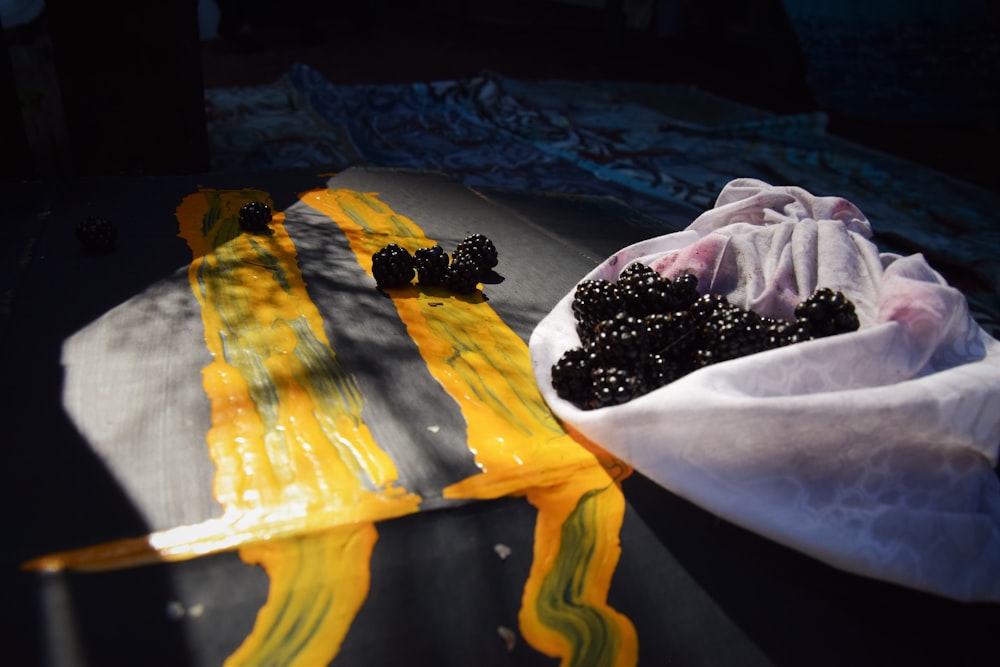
{"points": [[470, 264], [643, 331]]}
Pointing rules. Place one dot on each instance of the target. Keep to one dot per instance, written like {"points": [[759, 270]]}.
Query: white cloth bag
{"points": [[873, 451]]}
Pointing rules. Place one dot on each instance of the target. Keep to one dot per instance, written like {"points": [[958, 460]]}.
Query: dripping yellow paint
{"points": [[293, 457], [287, 435], [518, 444]]}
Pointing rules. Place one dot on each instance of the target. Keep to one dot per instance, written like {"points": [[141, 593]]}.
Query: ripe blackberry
{"points": [[431, 265], [635, 271], [618, 341], [392, 266], [612, 386], [571, 376], [645, 291], [595, 301], [97, 234], [463, 275], [647, 294], [662, 369], [779, 333], [254, 216], [477, 251], [826, 313], [669, 334], [707, 305], [732, 332], [685, 290]]}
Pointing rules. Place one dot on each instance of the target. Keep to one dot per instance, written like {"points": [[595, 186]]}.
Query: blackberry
{"points": [[97, 234], [431, 265], [634, 272], [732, 332], [779, 333], [595, 301], [685, 289], [463, 275], [571, 376], [619, 340], [480, 251], [392, 266], [645, 291], [671, 334], [662, 369], [827, 313], [647, 294], [254, 216], [708, 305], [612, 386]]}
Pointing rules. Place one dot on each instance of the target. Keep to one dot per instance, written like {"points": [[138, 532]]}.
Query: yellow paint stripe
{"points": [[287, 435], [318, 584], [517, 442], [293, 456]]}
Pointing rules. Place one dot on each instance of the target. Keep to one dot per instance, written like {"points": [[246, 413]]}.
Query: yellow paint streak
{"points": [[287, 437], [519, 445], [294, 460], [565, 612], [318, 584]]}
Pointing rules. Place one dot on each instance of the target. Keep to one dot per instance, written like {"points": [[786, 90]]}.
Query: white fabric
{"points": [[872, 451]]}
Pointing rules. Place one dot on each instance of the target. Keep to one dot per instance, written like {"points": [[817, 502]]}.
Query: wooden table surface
{"points": [[107, 418]]}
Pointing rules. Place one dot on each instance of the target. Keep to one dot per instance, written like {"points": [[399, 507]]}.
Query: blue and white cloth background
{"points": [[659, 148]]}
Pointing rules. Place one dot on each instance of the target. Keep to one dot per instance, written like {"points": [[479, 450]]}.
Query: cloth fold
{"points": [[874, 451]]}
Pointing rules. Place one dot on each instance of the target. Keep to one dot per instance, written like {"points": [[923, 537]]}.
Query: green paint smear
{"points": [[593, 636]]}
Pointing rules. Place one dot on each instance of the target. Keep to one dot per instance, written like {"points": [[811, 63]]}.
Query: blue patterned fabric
{"points": [[658, 148]]}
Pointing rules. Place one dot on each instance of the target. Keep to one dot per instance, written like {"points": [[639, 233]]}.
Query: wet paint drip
{"points": [[318, 584], [518, 444], [565, 612], [287, 436]]}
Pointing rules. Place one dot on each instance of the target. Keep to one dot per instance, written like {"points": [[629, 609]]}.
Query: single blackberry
{"points": [[619, 341], [392, 266], [635, 271], [463, 275], [645, 291], [480, 251], [741, 335], [254, 216], [431, 265], [595, 301], [826, 313], [670, 334], [662, 369], [571, 376], [685, 291], [647, 294], [731, 332], [779, 333], [707, 305], [612, 386], [97, 234]]}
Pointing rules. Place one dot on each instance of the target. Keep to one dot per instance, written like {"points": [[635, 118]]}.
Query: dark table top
{"points": [[108, 420]]}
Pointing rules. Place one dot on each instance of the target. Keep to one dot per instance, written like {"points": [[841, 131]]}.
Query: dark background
{"points": [[115, 87]]}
